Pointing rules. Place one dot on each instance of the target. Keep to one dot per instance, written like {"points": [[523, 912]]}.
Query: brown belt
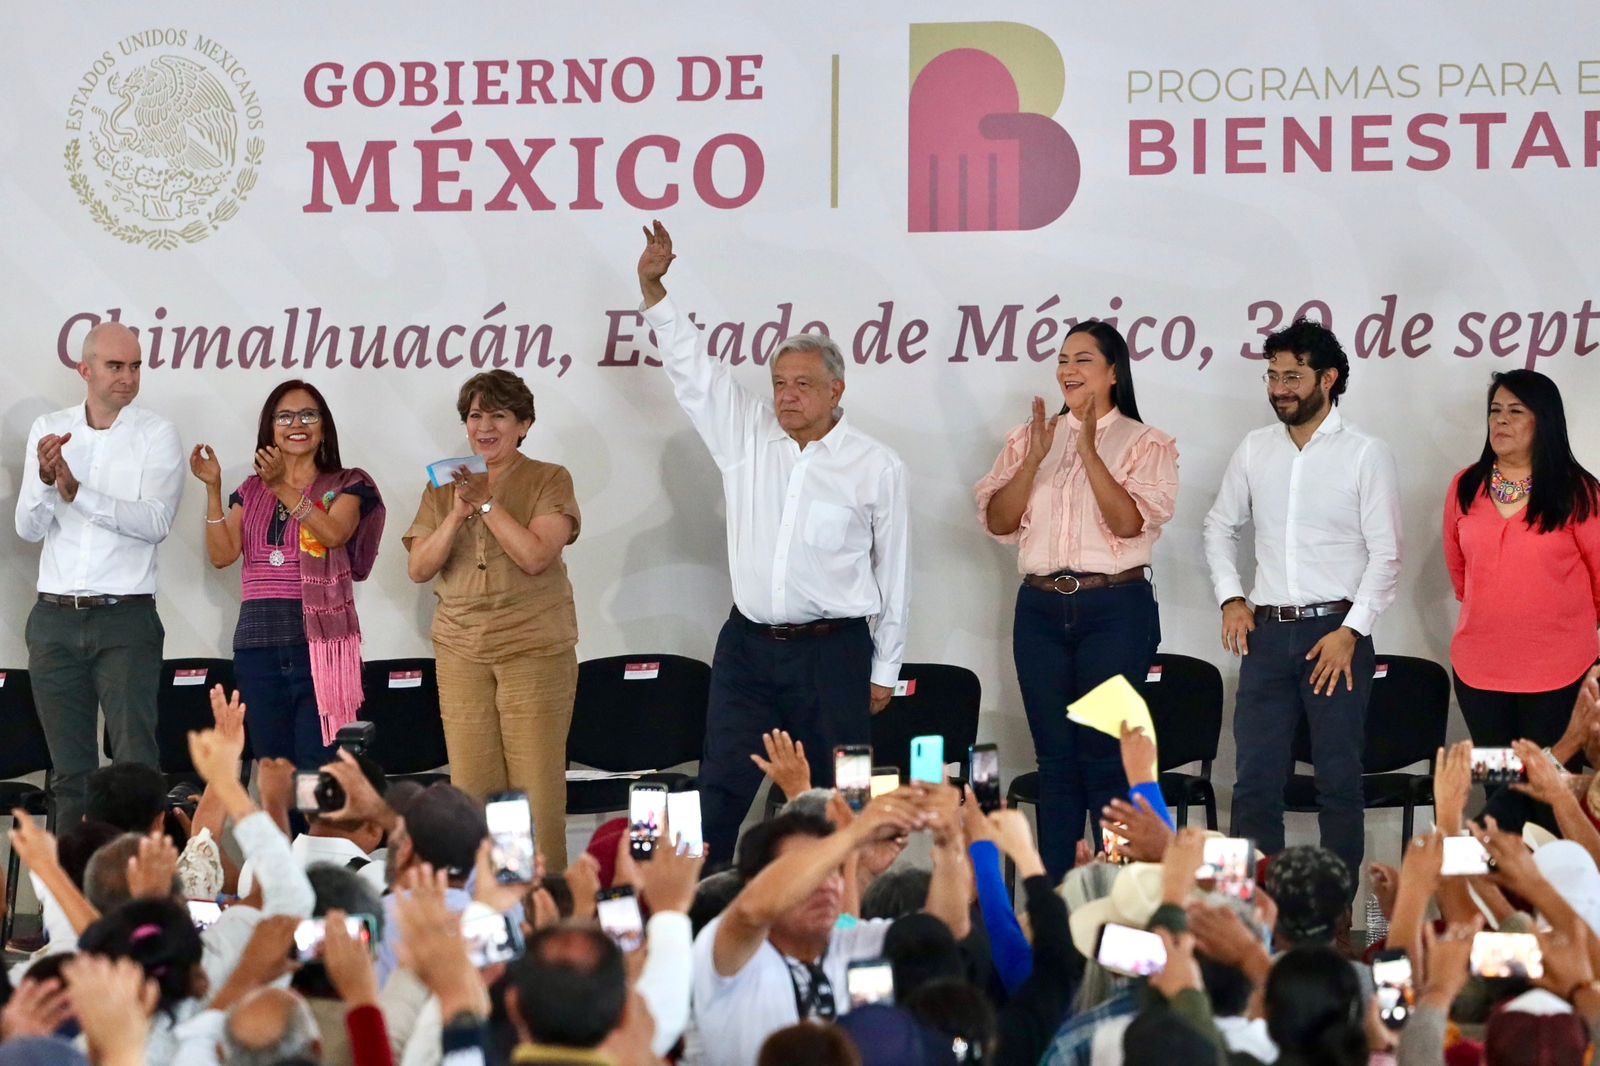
{"points": [[800, 630], [1300, 614], [1068, 583], [81, 602]]}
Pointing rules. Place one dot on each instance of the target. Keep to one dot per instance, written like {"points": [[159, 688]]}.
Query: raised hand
{"points": [[1147, 833], [151, 871], [203, 465], [1088, 421], [1138, 755], [1546, 783], [785, 763], [114, 1001], [49, 452], [472, 490], [656, 257], [270, 466], [1041, 435], [227, 714], [349, 964], [36, 1008], [361, 801], [1452, 780]]}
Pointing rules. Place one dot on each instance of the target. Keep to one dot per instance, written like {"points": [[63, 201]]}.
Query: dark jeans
{"points": [[1274, 691], [817, 688], [1495, 719], [1064, 646], [281, 705], [82, 661]]}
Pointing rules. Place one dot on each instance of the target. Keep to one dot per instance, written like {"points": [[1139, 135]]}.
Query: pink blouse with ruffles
{"points": [[1062, 528]]}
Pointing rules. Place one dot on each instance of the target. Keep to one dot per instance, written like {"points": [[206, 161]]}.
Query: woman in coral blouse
{"points": [[1522, 540], [1085, 507]]}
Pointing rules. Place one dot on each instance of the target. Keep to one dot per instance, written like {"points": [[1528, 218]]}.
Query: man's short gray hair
{"points": [[105, 877], [819, 343], [297, 1041]]}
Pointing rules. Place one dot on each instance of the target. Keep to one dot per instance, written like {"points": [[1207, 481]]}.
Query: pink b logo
{"points": [[985, 154]]}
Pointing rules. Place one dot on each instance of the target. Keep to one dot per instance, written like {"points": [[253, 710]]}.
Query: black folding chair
{"points": [[1406, 719], [633, 713], [401, 697], [940, 700], [24, 752], [183, 705]]}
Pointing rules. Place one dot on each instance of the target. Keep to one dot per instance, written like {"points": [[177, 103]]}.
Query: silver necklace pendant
{"points": [[276, 558]]}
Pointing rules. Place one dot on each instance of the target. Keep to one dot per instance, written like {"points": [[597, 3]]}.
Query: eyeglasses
{"points": [[1291, 379], [308, 417]]}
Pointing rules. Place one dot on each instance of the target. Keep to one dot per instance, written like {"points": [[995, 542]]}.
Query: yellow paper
{"points": [[1111, 703]]}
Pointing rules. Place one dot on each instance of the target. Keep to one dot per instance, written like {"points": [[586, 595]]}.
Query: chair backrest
{"points": [[183, 703], [940, 699], [1185, 698], [402, 700], [642, 711], [24, 751], [1406, 716]]}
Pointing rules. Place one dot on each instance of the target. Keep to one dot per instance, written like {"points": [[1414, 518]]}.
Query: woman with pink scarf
{"points": [[307, 530]]}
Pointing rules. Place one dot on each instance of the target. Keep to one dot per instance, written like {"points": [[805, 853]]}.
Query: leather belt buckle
{"points": [[1289, 614], [1056, 581], [783, 632]]}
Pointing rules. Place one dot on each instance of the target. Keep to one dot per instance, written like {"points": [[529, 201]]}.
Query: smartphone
{"points": [[311, 933], [885, 779], [1115, 847], [1464, 856], [1501, 955], [983, 772], [491, 938], [202, 912], [927, 759], [852, 773], [1129, 951], [1391, 972], [647, 809], [683, 811], [869, 981], [618, 912], [305, 791], [1230, 863], [1497, 766], [511, 837]]}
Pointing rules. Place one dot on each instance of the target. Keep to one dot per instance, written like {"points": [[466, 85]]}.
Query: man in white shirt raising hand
{"points": [[1325, 501], [100, 488], [818, 547]]}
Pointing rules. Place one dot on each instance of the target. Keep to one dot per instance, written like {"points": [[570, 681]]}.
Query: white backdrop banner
{"points": [[385, 198]]}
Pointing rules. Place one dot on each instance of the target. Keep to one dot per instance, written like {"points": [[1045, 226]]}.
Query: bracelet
{"points": [[216, 521], [301, 509]]}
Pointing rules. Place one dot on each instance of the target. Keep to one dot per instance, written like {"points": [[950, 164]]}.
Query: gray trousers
{"points": [[82, 661]]}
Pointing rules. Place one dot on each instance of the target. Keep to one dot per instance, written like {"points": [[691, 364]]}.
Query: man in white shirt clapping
{"points": [[1325, 501], [818, 547], [100, 488]]}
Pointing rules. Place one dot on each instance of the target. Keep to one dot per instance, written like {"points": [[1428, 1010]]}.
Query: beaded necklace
{"points": [[1506, 491]]}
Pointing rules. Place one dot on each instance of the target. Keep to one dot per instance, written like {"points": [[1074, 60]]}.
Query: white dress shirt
{"points": [[1327, 520], [813, 533], [130, 478]]}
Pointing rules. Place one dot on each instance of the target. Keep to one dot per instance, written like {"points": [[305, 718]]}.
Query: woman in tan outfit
{"points": [[505, 630]]}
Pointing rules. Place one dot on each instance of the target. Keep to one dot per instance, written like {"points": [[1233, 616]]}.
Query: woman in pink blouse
{"points": [[1522, 540], [1085, 508]]}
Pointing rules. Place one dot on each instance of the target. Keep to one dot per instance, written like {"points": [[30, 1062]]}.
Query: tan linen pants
{"points": [[505, 726]]}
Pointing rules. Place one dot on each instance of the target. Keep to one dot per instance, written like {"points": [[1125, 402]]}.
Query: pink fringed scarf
{"points": [[327, 593]]}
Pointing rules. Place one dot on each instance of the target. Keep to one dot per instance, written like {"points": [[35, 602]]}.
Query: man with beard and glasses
{"points": [[1325, 502]]}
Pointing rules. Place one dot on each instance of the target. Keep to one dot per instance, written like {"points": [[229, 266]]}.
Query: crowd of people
{"points": [[187, 935]]}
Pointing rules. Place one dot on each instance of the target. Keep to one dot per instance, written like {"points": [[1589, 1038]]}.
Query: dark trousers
{"points": [[83, 661], [817, 688], [281, 705], [1274, 692], [1064, 646], [1495, 719]]}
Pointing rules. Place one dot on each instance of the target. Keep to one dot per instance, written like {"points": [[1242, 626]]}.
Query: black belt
{"points": [[800, 630], [83, 602], [1066, 582], [1300, 614]]}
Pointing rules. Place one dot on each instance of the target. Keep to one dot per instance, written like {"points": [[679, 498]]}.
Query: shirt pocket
{"points": [[827, 526]]}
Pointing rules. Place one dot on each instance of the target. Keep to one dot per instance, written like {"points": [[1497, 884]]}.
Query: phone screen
{"points": [[985, 776], [305, 791], [202, 912], [870, 981], [885, 779], [491, 938], [647, 809], [1500, 955], [1134, 952], [1391, 973], [1115, 847], [852, 774], [683, 812], [511, 838], [1497, 766], [1229, 861], [618, 912], [1464, 856], [927, 759], [311, 933]]}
